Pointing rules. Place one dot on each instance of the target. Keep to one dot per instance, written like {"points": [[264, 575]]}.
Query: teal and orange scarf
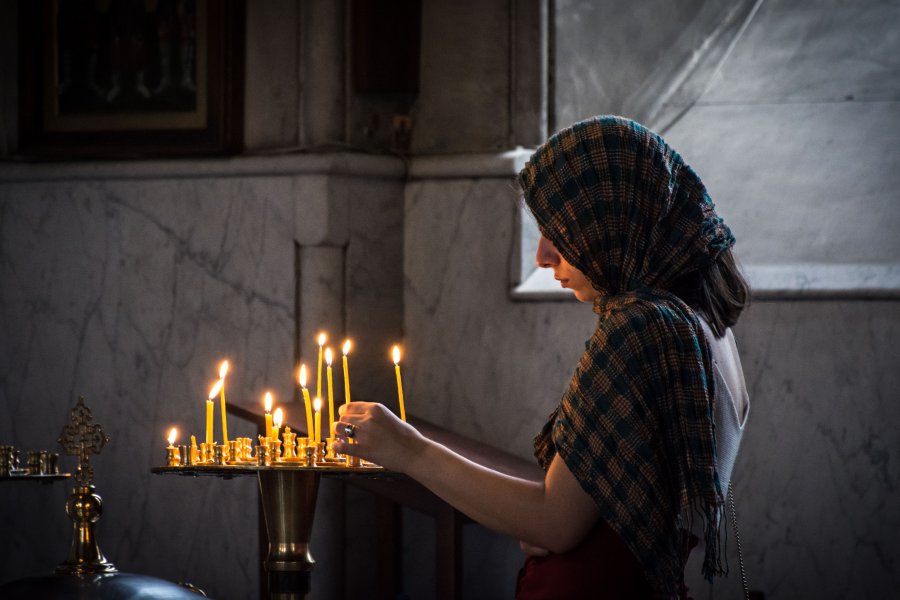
{"points": [[636, 424]]}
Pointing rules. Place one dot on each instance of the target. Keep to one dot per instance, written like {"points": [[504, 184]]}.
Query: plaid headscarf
{"points": [[636, 425]]}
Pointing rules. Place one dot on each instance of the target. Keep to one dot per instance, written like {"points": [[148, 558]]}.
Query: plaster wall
{"points": [[817, 470], [128, 283]]}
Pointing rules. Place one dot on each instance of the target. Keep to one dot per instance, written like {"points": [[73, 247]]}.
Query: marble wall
{"points": [[816, 479], [127, 284]]}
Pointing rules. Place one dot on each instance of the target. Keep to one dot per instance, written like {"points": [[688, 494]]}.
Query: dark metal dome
{"points": [[100, 586]]}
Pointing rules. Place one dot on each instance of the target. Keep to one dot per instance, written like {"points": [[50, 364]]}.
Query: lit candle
{"points": [[309, 417], [277, 420], [223, 371], [209, 412], [346, 351], [328, 357], [399, 382], [321, 341], [173, 457], [317, 407], [267, 403]]}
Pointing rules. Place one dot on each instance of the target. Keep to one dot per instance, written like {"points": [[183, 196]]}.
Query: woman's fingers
{"points": [[378, 435], [530, 550]]}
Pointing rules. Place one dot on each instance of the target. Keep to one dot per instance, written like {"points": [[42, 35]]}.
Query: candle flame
{"points": [[317, 404], [346, 348], [396, 353], [223, 369], [328, 356], [173, 435], [302, 376], [267, 402], [278, 417], [215, 389], [322, 338]]}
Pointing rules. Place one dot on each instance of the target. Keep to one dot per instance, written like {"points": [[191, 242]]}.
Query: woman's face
{"points": [[567, 275]]}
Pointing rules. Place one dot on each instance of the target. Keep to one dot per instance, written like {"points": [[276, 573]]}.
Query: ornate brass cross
{"points": [[82, 437]]}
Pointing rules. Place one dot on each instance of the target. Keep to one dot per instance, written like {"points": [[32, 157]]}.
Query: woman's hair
{"points": [[718, 291]]}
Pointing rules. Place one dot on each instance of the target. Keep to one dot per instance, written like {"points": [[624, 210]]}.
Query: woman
{"points": [[631, 460]]}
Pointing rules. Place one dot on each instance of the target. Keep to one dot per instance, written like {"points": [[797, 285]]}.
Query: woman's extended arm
{"points": [[555, 513]]}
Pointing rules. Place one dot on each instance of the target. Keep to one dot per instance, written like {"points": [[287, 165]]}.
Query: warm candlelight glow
{"points": [[396, 353], [329, 356], [173, 435], [346, 348], [223, 369], [277, 420], [215, 389], [322, 339], [302, 376], [317, 404]]}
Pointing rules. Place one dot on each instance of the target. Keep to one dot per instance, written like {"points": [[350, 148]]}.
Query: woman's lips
{"points": [[563, 282]]}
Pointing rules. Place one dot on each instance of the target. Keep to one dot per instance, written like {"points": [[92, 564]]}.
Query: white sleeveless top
{"points": [[732, 401]]}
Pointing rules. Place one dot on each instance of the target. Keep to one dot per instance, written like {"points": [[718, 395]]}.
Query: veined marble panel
{"points": [[477, 362], [130, 293], [128, 284], [816, 478]]}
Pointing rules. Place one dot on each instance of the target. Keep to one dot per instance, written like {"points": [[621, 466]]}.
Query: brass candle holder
{"points": [[173, 457]]}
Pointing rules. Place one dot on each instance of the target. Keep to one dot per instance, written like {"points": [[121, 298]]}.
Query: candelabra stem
{"points": [[84, 507], [289, 506]]}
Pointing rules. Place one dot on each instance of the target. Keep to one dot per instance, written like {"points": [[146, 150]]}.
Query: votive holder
{"points": [[219, 454], [246, 448], [300, 451], [185, 454], [173, 459], [263, 455], [33, 462], [288, 452], [234, 448], [205, 452]]}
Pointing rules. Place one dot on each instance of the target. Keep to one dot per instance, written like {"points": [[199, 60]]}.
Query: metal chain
{"points": [[737, 539]]}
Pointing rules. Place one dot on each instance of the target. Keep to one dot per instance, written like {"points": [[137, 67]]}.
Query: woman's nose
{"points": [[547, 257]]}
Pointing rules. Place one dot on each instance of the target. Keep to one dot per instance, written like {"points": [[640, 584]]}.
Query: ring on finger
{"points": [[350, 431]]}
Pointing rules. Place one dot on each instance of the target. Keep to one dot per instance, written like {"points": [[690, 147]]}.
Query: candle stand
{"points": [[288, 497]]}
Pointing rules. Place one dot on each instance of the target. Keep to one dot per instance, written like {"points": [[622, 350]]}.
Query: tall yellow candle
{"points": [[209, 412], [267, 404], [223, 371], [328, 358], [346, 351], [321, 341], [277, 420], [309, 417], [399, 382], [317, 407]]}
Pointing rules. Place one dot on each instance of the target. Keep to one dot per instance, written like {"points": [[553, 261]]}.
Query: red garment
{"points": [[600, 567]]}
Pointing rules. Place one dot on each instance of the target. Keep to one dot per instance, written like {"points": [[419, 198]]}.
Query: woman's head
{"points": [[621, 206]]}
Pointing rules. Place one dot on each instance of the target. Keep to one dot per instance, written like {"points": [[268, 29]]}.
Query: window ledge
{"points": [[800, 281]]}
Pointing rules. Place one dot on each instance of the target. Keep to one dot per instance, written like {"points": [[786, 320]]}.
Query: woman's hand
{"points": [[378, 435]]}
